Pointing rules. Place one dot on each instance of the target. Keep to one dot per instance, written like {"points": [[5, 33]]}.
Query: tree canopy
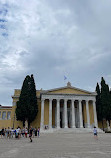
{"points": [[27, 107], [103, 101], [98, 103]]}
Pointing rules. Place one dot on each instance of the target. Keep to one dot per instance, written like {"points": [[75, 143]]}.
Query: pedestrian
{"points": [[8, 132], [30, 133], [38, 132], [26, 131], [2, 132], [95, 132], [12, 132], [35, 132], [23, 132], [5, 133]]}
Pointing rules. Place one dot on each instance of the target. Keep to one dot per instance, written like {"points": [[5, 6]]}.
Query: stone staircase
{"points": [[71, 130]]}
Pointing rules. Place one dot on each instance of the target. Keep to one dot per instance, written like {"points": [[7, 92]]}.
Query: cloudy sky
{"points": [[53, 38]]}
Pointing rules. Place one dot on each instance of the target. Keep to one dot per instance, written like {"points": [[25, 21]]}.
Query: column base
{"points": [[42, 127], [73, 127]]}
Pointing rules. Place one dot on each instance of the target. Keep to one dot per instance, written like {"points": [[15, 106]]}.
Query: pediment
{"points": [[68, 90]]}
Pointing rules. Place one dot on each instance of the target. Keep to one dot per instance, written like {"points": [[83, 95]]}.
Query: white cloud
{"points": [[54, 38]]}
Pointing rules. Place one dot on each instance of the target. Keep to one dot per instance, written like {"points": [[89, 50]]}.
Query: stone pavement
{"points": [[61, 145]]}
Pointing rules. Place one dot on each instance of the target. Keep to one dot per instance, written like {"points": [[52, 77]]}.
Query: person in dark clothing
{"points": [[2, 132], [30, 133], [35, 131]]}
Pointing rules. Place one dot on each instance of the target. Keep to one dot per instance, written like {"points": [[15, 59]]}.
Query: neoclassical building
{"points": [[60, 108]]}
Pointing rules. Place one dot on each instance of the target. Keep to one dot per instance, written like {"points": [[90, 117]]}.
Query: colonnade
{"points": [[72, 112]]}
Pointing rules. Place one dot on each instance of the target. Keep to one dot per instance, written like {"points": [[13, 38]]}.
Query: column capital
{"points": [[80, 100], [94, 100], [65, 100], [86, 101], [42, 99], [58, 100], [50, 99]]}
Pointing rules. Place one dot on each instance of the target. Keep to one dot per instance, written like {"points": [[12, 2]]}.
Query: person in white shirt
{"points": [[26, 131], [95, 132]]}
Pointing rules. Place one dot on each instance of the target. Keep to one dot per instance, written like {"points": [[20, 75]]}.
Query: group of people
{"points": [[33, 132], [18, 132]]}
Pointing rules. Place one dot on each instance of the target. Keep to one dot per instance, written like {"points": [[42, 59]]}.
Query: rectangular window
{"points": [[8, 115], [4, 115]]}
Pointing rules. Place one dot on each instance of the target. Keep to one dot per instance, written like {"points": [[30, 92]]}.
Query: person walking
{"points": [[30, 133], [2, 132], [26, 131], [95, 132], [35, 132], [38, 132]]}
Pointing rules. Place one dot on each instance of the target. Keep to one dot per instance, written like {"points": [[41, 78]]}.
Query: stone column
{"points": [[50, 113], [42, 114], [88, 117], [80, 114], [73, 114], [65, 113], [95, 114], [58, 114]]}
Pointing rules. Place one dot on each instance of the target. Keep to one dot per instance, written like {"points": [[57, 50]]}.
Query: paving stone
{"points": [[58, 145]]}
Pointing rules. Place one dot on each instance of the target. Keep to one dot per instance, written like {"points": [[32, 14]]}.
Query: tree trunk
{"points": [[23, 123], [26, 124], [103, 124], [108, 125]]}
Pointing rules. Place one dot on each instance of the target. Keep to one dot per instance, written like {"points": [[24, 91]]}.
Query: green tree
{"points": [[98, 103], [105, 100], [27, 108], [33, 101]]}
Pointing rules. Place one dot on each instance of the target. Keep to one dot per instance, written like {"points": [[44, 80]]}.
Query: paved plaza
{"points": [[61, 145]]}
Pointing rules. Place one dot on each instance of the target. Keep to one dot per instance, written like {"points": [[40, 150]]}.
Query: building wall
{"points": [[5, 123], [36, 123]]}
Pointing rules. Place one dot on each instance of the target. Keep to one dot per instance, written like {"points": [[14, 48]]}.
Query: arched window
{"points": [[8, 115], [4, 115]]}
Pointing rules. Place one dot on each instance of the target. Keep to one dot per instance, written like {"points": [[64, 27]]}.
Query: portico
{"points": [[68, 110], [61, 109]]}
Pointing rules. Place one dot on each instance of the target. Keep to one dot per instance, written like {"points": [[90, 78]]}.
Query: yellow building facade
{"points": [[60, 108]]}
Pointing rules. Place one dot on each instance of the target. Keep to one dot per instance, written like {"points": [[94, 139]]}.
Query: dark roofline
{"points": [[93, 94], [5, 107]]}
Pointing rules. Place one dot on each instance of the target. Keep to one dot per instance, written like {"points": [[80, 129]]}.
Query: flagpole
{"points": [[65, 79]]}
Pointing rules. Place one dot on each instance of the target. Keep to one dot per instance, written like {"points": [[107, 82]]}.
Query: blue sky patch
{"points": [[5, 34], [3, 20], [2, 27]]}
